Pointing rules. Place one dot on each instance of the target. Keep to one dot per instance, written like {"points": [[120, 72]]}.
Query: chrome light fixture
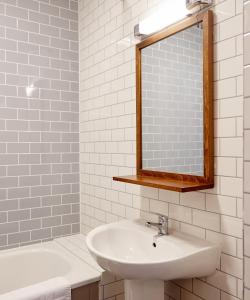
{"points": [[169, 12]]}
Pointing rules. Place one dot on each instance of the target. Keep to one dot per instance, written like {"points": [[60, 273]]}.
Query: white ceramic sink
{"points": [[126, 249]]}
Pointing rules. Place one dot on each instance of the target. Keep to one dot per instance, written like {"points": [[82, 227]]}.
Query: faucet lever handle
{"points": [[162, 218]]}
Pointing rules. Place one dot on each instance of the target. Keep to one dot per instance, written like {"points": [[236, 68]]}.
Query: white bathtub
{"points": [[28, 265]]}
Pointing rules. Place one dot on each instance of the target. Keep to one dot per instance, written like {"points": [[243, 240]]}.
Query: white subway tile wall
{"points": [[246, 150], [39, 121], [107, 142]]}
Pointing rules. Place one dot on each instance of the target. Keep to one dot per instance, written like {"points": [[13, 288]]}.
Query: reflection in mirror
{"points": [[172, 103]]}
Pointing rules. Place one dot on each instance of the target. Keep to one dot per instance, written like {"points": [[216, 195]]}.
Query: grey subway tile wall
{"points": [[39, 120]]}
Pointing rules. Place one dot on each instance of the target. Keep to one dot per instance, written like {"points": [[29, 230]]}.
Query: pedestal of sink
{"points": [[144, 289]]}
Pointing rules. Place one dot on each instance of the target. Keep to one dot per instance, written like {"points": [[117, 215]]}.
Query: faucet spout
{"points": [[162, 225]]}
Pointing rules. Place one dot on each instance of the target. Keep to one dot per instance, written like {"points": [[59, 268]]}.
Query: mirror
{"points": [[174, 107], [174, 85], [172, 103]]}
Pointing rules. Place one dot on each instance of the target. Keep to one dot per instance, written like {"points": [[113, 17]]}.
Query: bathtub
{"points": [[29, 265]]}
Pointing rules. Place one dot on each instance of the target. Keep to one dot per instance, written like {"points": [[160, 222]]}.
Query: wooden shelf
{"points": [[164, 183]]}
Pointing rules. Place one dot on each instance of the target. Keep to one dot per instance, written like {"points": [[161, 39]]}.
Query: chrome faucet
{"points": [[162, 225]]}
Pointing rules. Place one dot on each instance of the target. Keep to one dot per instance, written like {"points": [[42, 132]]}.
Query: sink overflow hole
{"points": [[154, 245]]}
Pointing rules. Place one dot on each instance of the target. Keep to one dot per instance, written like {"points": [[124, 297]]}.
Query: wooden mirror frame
{"points": [[175, 181]]}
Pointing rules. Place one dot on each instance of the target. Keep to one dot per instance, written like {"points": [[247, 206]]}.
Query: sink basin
{"points": [[126, 249]]}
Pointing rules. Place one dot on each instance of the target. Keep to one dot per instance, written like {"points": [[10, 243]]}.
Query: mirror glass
{"points": [[172, 103]]}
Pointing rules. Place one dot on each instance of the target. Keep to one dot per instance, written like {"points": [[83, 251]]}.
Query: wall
{"points": [[107, 142], [39, 128], [246, 150], [172, 122]]}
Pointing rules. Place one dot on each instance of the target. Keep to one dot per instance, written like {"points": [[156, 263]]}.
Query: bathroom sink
{"points": [[127, 249]]}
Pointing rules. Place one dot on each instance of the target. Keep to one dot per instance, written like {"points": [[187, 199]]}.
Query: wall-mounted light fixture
{"points": [[169, 12]]}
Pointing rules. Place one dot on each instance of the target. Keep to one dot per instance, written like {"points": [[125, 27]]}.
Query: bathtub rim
{"points": [[81, 272]]}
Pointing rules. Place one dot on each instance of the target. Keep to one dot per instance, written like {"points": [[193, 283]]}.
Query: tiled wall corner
{"points": [[39, 127], [246, 150], [107, 142]]}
